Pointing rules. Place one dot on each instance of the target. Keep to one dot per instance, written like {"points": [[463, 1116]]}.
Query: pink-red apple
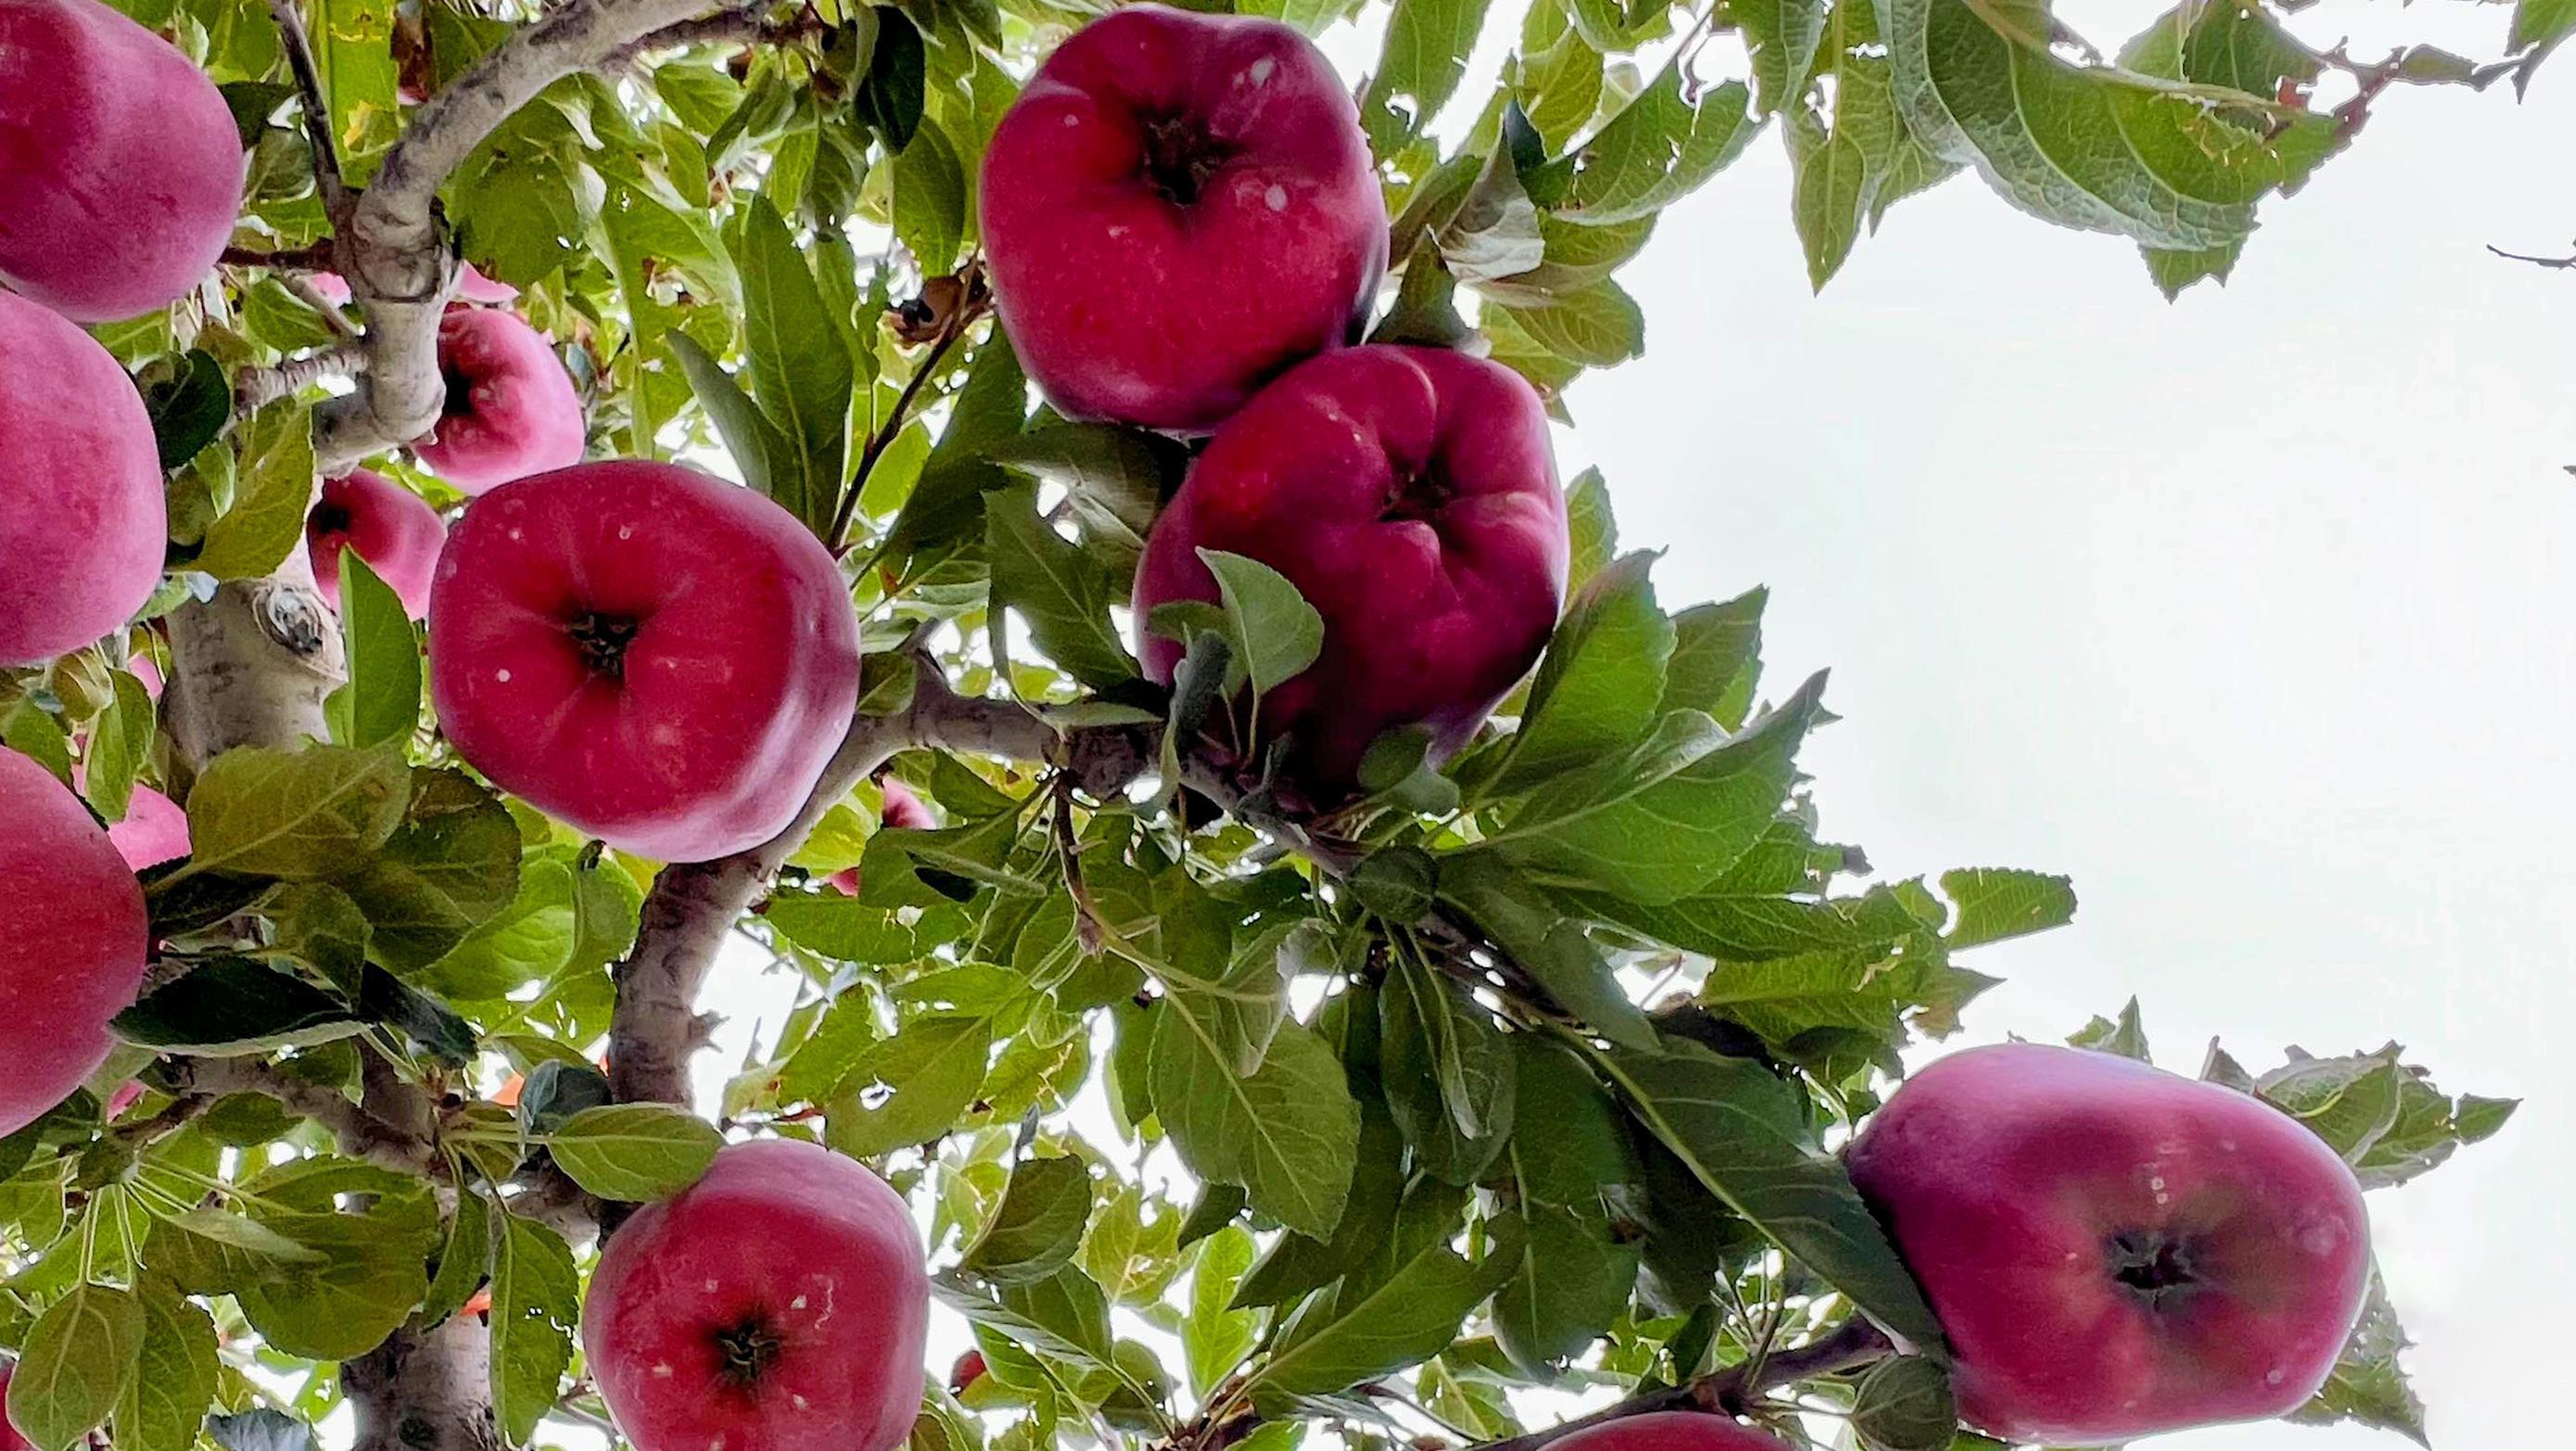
{"points": [[82, 522], [72, 941], [778, 1304], [657, 657], [511, 409], [2114, 1251], [154, 830], [120, 167], [1410, 495], [393, 529], [10, 1440], [968, 1370], [1177, 207], [1673, 1431]]}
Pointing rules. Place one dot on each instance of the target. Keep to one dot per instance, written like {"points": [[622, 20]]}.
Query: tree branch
{"points": [[733, 27], [2559, 264], [315, 105], [360, 1133], [1728, 1392], [256, 388], [314, 258]]}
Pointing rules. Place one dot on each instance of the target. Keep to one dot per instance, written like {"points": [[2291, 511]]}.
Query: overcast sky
{"points": [[2255, 614]]}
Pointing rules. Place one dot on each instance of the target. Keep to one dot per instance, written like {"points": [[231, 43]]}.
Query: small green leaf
{"points": [[189, 408], [1039, 1226], [1286, 1134], [1995, 903], [1371, 1330], [235, 1006], [536, 1301], [120, 742], [383, 654], [463, 1260], [1600, 685], [295, 815], [890, 99], [912, 1087], [930, 198], [799, 369], [1904, 1404], [635, 1151], [2368, 1386], [1657, 150], [175, 1381], [79, 1358], [1279, 632], [1060, 588], [2127, 1037], [274, 487]]}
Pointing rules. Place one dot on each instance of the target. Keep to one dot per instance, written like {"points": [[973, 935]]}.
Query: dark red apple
{"points": [[72, 941], [10, 1440], [120, 166], [1177, 207], [1410, 495], [968, 1370], [657, 657], [511, 409], [393, 529], [778, 1304], [82, 522], [1673, 1431], [2115, 1251]]}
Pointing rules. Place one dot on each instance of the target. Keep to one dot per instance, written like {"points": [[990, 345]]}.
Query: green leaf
{"points": [[635, 1151], [536, 1301], [189, 408], [1599, 685], [1830, 194], [1599, 327], [2174, 270], [890, 99], [120, 742], [1039, 1226], [1744, 1136], [1568, 1156], [1407, 1317], [1593, 528], [274, 486], [1214, 1337], [771, 461], [1656, 823], [1559, 86], [800, 371], [1449, 1072], [1425, 55], [383, 654], [78, 1360], [2542, 23], [1658, 150], [1298, 1263], [374, 1269], [1995, 903], [844, 929], [1060, 588], [930, 198], [1517, 916], [1064, 1316], [174, 1385], [1286, 1134], [235, 1006], [1782, 35], [2368, 1386], [450, 866], [295, 815], [911, 1087], [463, 1260], [1494, 232], [1278, 632], [2166, 163], [1904, 1404], [2127, 1037], [528, 941], [1717, 658]]}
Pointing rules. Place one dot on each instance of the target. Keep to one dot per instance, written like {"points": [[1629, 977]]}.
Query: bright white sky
{"points": [[2255, 613]]}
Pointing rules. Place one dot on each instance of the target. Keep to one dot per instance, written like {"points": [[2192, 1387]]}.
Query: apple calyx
{"points": [[1182, 157], [603, 640], [746, 1351], [1419, 498], [2156, 1268], [460, 392]]}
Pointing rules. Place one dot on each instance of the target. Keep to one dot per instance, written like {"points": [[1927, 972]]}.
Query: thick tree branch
{"points": [[1728, 1392], [360, 1133]]}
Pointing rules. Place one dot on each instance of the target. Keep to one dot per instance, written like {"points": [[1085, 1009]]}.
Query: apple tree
{"points": [[1026, 532]]}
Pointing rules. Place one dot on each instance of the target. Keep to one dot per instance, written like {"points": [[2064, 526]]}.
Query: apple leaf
{"points": [[770, 460], [295, 815], [374, 1266], [1061, 589], [1449, 1072], [1286, 1134], [79, 1358], [635, 1151], [1039, 1225], [234, 1007], [1375, 1325], [910, 1088], [1743, 1134], [536, 1302], [120, 743], [1660, 148], [2127, 1037], [383, 655], [273, 488], [1215, 1337], [451, 865], [464, 1259], [1277, 631], [2367, 1385], [1904, 1403], [1600, 681], [1568, 1156], [798, 367], [175, 1381], [189, 408]]}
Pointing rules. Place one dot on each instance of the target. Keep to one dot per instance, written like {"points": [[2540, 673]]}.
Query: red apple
{"points": [[968, 1370], [72, 941], [393, 529], [511, 408], [145, 669], [2114, 1251], [1673, 1431], [778, 1304], [82, 522], [659, 658], [1409, 494], [1177, 207], [120, 167], [127, 1095], [154, 830]]}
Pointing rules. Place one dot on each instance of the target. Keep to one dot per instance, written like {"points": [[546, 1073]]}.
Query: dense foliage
{"points": [[1524, 1070]]}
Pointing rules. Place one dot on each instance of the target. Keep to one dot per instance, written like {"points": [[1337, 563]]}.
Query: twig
{"points": [[741, 27], [360, 1133], [838, 536], [258, 387], [2560, 264], [313, 258], [317, 107]]}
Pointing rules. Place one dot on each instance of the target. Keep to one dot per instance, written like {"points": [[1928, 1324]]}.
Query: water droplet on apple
{"points": [[1277, 197], [1262, 69]]}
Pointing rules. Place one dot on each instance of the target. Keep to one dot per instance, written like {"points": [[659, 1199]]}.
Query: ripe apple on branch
{"points": [[1279, 764]]}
